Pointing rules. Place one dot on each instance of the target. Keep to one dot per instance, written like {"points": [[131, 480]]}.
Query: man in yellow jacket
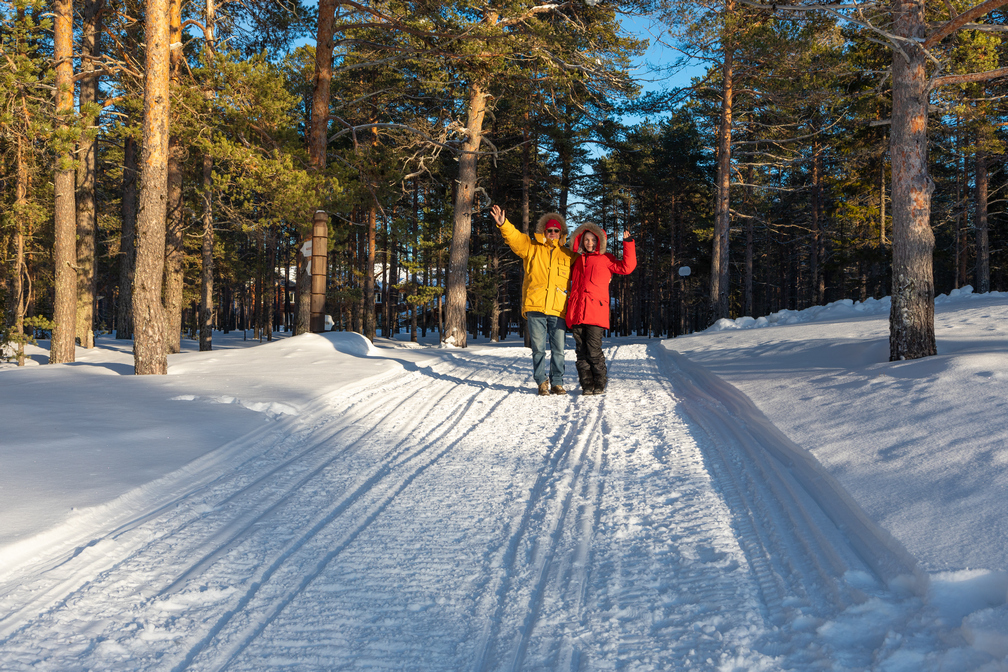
{"points": [[547, 262]]}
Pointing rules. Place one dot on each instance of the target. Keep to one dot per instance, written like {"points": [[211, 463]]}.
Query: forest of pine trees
{"points": [[161, 162]]}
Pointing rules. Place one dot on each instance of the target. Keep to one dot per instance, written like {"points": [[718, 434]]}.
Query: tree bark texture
{"points": [[458, 255], [150, 350], [911, 319], [20, 269], [174, 238], [369, 284], [722, 217], [207, 266], [64, 215], [87, 155], [317, 142], [127, 240], [206, 305], [982, 246], [814, 273]]}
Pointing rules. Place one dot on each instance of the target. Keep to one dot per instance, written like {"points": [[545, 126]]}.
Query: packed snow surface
{"points": [[742, 499]]}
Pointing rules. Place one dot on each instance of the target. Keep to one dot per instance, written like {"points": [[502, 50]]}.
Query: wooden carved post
{"points": [[320, 244]]}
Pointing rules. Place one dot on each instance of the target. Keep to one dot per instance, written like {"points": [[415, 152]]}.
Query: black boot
{"points": [[600, 384], [585, 378]]}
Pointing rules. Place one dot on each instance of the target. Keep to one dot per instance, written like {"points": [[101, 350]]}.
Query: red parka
{"points": [[588, 302]]}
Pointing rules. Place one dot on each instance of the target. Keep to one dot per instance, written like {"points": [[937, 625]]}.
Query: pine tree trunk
{"points": [[495, 307], [20, 268], [150, 351], [526, 175], [816, 233], [747, 291], [87, 155], [360, 259], [393, 283], [369, 284], [722, 216], [64, 215], [127, 246], [386, 291], [317, 141], [269, 284], [526, 189], [205, 321], [982, 247], [458, 256], [882, 208], [911, 319], [960, 236], [174, 235], [207, 267]]}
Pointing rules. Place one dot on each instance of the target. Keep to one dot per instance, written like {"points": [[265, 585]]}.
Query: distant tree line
{"points": [[161, 162]]}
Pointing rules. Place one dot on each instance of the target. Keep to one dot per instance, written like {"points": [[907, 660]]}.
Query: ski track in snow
{"points": [[447, 518]]}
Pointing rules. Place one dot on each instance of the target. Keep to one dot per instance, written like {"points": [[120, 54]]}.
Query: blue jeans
{"points": [[542, 329]]}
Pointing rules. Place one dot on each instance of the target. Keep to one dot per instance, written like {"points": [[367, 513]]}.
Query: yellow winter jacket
{"points": [[547, 266]]}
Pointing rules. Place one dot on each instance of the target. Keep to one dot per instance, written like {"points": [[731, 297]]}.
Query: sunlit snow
{"points": [[771, 494]]}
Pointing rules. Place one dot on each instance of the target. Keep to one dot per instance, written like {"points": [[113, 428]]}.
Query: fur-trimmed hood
{"points": [[575, 240], [541, 224]]}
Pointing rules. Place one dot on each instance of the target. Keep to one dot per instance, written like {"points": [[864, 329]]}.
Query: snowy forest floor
{"points": [[435, 514]]}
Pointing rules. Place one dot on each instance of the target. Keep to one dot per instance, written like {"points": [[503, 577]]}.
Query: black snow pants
{"points": [[591, 366]]}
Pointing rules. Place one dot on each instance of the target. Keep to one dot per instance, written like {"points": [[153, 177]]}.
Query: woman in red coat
{"points": [[588, 301]]}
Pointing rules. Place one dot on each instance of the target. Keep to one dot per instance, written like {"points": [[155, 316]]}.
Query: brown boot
{"points": [[544, 388], [558, 389]]}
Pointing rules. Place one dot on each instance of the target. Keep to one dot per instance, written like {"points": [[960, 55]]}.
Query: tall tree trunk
{"points": [[982, 248], [64, 215], [174, 235], [526, 189], [960, 237], [360, 258], [722, 217], [911, 319], [86, 216], [206, 306], [127, 242], [207, 266], [386, 292], [816, 233], [317, 141], [20, 268], [269, 283], [150, 353], [526, 175], [495, 306], [458, 257], [747, 291], [369, 285], [393, 281], [882, 200], [565, 158]]}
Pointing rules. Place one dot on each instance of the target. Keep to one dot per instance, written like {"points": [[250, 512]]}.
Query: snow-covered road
{"points": [[444, 517]]}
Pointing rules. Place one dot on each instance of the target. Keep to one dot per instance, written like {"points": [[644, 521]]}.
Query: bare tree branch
{"points": [[961, 20]]}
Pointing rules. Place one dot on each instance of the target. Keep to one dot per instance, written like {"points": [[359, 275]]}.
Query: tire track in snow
{"points": [[157, 531], [65, 576], [555, 527], [783, 545], [800, 543], [662, 552], [521, 528], [369, 496], [67, 579]]}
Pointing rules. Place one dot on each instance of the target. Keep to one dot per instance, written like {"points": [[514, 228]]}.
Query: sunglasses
{"points": [[553, 230]]}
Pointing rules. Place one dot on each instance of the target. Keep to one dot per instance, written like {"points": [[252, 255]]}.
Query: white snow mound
{"points": [[351, 343]]}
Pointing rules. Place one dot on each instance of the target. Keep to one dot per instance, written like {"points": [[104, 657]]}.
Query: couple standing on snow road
{"points": [[566, 286]]}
